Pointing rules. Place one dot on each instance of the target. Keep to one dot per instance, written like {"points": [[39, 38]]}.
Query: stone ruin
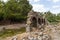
{"points": [[35, 27], [35, 20]]}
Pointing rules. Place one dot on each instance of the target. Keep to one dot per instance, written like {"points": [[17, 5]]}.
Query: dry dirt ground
{"points": [[52, 30], [13, 26]]}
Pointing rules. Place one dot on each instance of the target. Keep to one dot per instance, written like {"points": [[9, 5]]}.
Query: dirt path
{"points": [[13, 26]]}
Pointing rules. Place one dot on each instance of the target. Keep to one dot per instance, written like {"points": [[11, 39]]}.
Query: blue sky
{"points": [[45, 5]]}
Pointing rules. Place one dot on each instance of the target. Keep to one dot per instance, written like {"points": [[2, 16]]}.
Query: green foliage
{"points": [[14, 10], [52, 18], [11, 32]]}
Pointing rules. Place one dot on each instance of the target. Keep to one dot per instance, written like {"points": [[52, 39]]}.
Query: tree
{"points": [[18, 8], [15, 10], [51, 17], [1, 10]]}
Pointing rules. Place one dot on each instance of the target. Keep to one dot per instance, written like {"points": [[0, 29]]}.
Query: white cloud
{"points": [[39, 7], [55, 6], [54, 1], [55, 11], [34, 0], [42, 8]]}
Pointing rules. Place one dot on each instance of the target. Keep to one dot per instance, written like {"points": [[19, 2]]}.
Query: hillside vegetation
{"points": [[51, 17]]}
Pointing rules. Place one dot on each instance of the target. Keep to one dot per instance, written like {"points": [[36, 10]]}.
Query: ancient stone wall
{"points": [[35, 20]]}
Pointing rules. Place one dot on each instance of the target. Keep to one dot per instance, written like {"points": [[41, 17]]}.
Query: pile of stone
{"points": [[37, 36]]}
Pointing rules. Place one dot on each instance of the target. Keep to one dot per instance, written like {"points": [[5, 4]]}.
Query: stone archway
{"points": [[39, 21], [43, 21], [34, 22]]}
